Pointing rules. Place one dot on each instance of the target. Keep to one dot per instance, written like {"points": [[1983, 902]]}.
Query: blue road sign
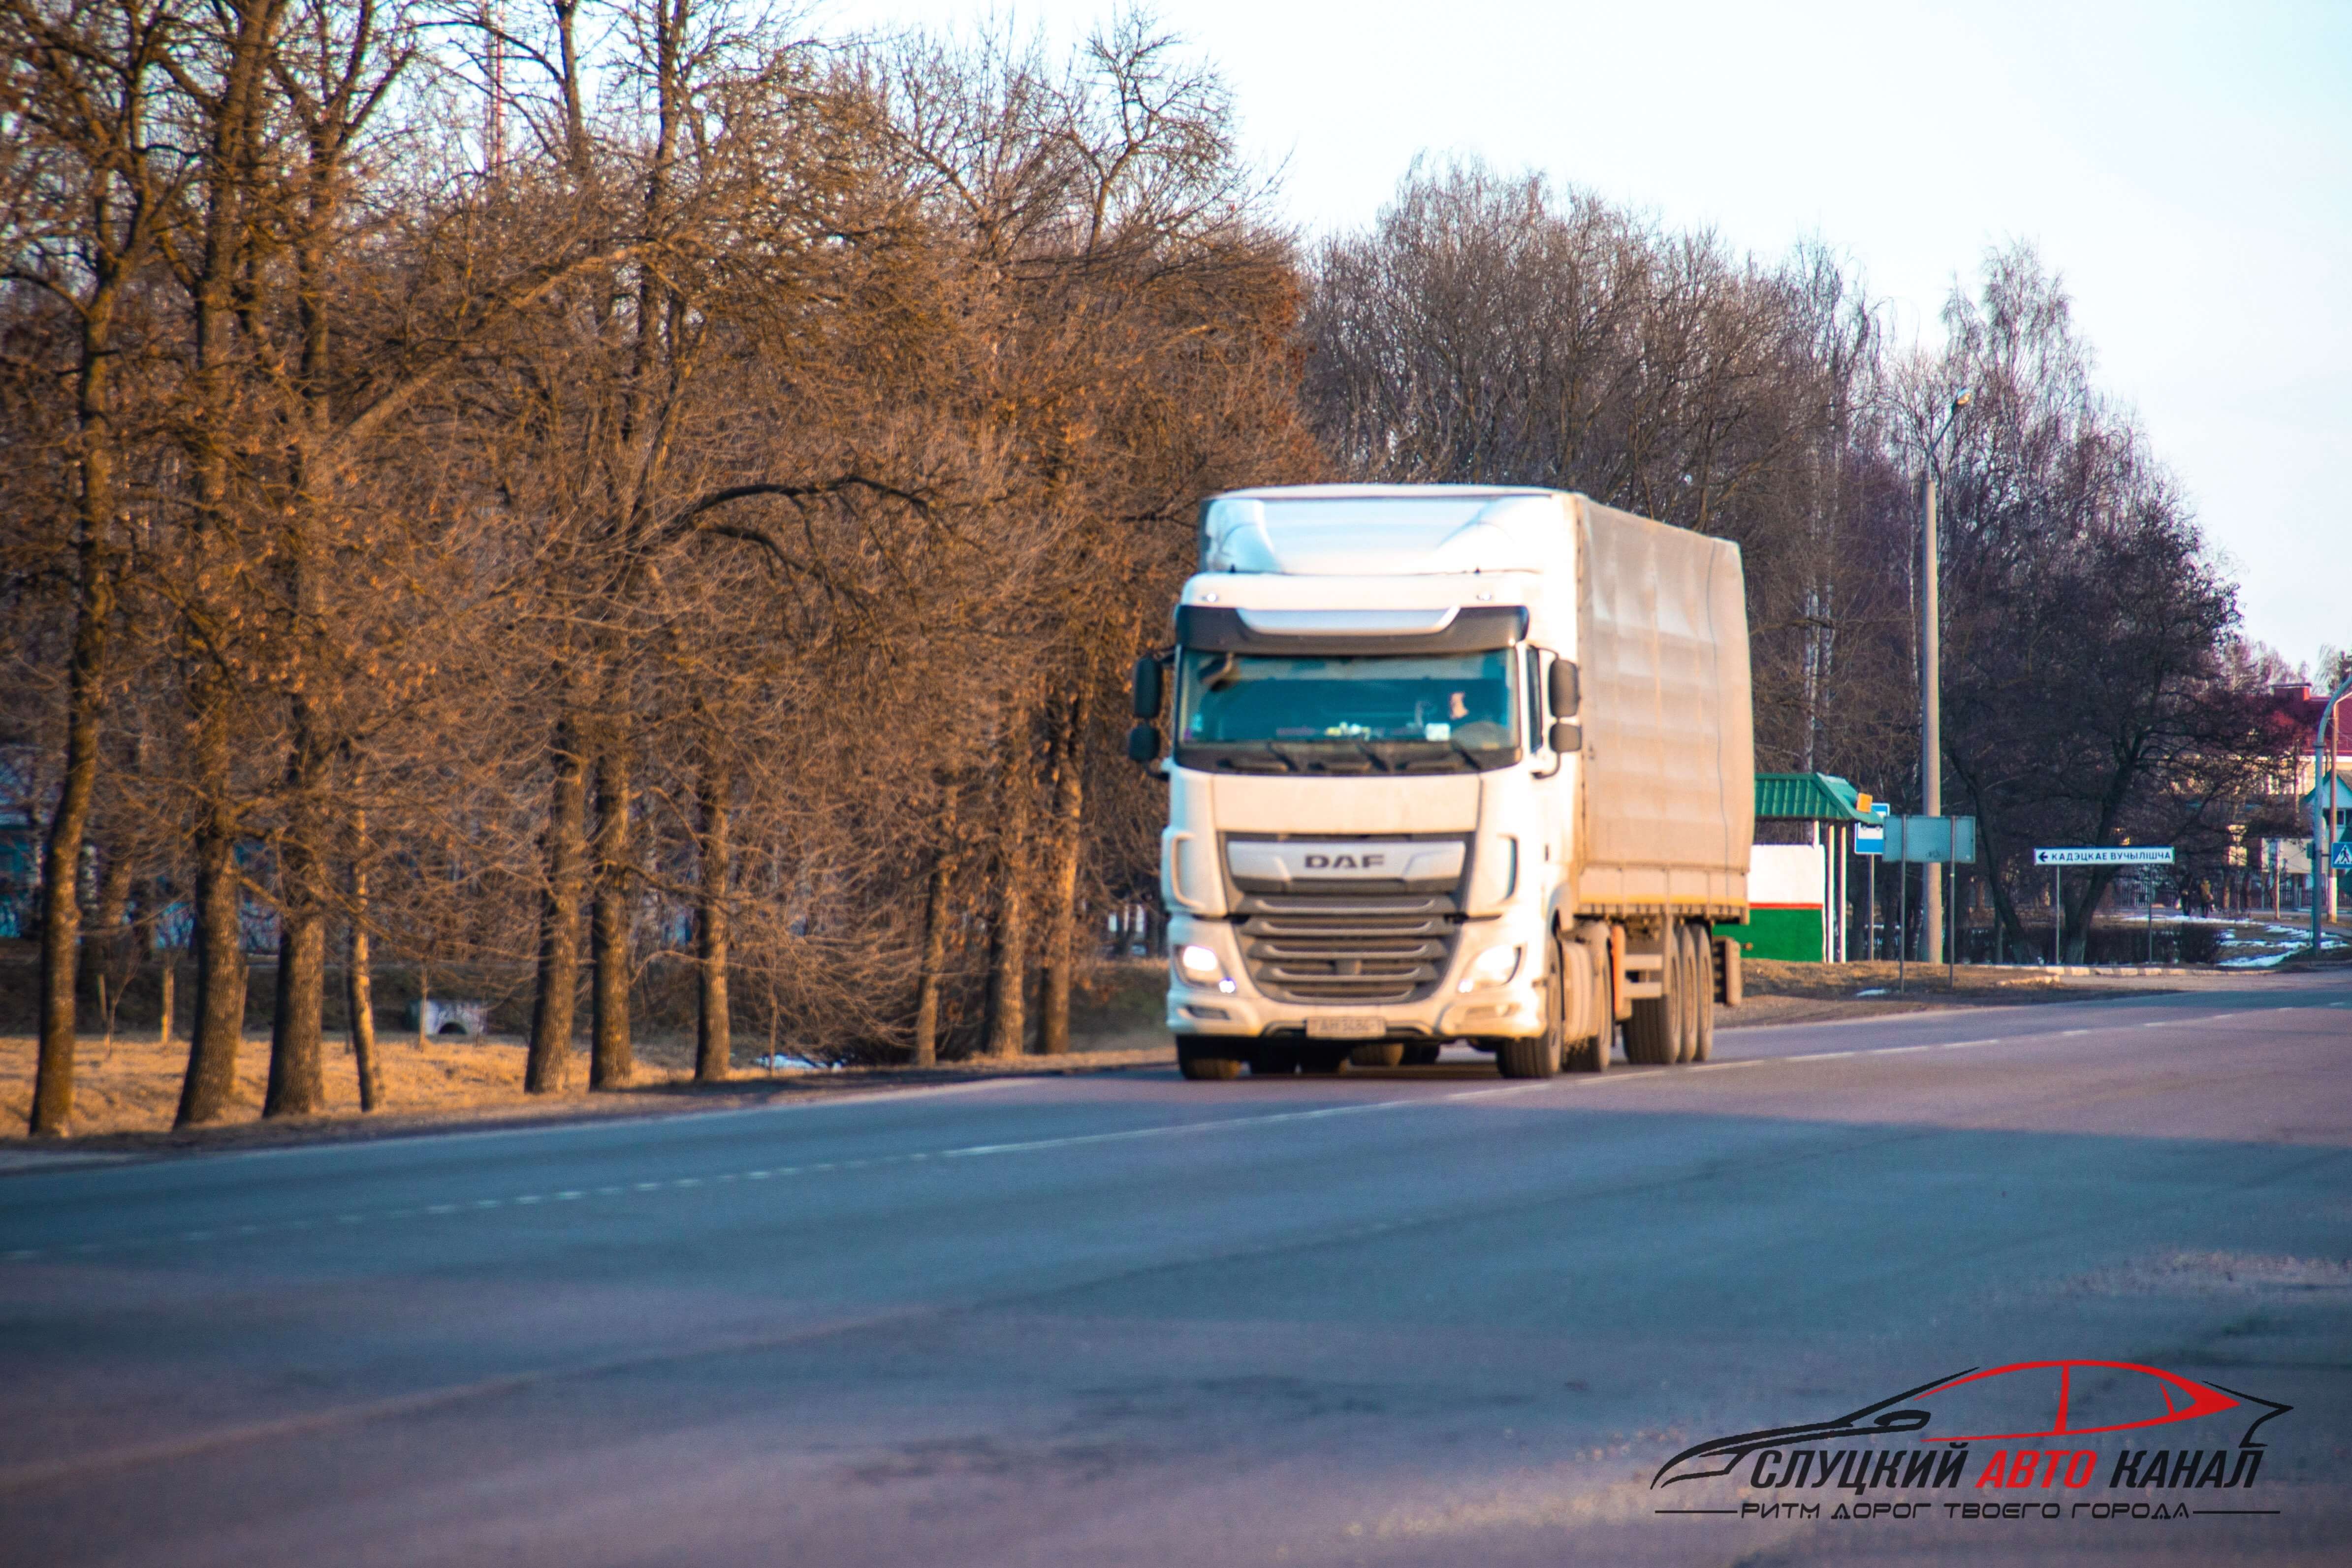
{"points": [[2340, 857]]}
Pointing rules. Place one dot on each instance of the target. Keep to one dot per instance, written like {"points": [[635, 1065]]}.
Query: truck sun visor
{"points": [[1472, 630]]}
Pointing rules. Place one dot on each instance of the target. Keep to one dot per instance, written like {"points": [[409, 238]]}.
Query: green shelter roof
{"points": [[1811, 797]]}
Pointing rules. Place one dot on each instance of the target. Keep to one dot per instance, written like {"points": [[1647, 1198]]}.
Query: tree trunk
{"points": [[712, 1044], [1009, 949], [935, 940], [61, 858], [230, 126], [556, 995], [297, 1074], [1062, 879], [106, 944], [611, 1062], [359, 979], [298, 1084], [211, 1081], [166, 983]]}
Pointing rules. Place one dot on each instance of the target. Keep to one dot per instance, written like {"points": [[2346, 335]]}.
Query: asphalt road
{"points": [[1410, 1317]]}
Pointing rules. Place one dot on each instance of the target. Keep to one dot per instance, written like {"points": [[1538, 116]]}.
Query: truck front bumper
{"points": [[1514, 1010]]}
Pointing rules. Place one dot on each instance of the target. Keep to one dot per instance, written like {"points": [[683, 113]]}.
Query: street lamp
{"points": [[1931, 701], [2323, 807]]}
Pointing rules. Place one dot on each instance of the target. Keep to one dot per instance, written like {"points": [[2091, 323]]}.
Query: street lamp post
{"points": [[1931, 695], [2323, 803]]}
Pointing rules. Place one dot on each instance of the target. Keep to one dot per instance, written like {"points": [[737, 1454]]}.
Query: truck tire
{"points": [[1200, 1059], [1385, 1056], [1538, 1058], [1603, 1020], [1421, 1055], [1579, 1046], [1686, 994], [1653, 1034], [1703, 988]]}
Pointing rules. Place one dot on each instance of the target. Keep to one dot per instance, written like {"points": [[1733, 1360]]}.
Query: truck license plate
{"points": [[1344, 1028]]}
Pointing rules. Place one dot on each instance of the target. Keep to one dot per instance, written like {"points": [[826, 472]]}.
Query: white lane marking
{"points": [[594, 1123], [1172, 1129]]}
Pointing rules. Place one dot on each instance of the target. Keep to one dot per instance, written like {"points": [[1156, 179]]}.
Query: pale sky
{"points": [[2187, 168]]}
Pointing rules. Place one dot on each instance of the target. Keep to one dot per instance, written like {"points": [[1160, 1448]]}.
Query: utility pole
{"points": [[1931, 692], [2323, 810]]}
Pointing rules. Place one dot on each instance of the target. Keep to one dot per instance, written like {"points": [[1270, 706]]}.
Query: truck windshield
{"points": [[1444, 712]]}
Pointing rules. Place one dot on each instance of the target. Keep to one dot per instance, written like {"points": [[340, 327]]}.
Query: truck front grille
{"points": [[1342, 948]]}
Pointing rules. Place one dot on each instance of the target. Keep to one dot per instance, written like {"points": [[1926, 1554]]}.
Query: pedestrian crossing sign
{"points": [[2340, 857]]}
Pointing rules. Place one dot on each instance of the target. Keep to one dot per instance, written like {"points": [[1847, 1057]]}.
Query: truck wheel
{"points": [[1573, 965], [1200, 1059], [1686, 994], [1703, 988], [1653, 1034], [1602, 1016], [1538, 1058], [1387, 1056], [1421, 1055]]}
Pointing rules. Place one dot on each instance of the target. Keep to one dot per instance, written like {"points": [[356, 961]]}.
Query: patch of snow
{"points": [[783, 1062]]}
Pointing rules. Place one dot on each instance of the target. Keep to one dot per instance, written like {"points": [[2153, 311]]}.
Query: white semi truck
{"points": [[1449, 763]]}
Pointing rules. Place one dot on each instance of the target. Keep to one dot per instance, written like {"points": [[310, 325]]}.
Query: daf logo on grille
{"points": [[1373, 860]]}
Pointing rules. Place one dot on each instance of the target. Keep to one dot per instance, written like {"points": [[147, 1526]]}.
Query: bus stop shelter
{"points": [[1832, 808]]}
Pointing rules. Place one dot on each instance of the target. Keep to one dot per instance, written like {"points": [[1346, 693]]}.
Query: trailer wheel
{"points": [[1686, 996], [1391, 1054], [1703, 992], [1199, 1059]]}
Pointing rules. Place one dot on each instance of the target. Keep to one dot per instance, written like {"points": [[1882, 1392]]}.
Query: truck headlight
{"points": [[1492, 967], [1201, 965]]}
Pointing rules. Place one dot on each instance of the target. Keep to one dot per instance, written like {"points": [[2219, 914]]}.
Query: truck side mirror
{"points": [[1565, 693], [1566, 737], [1147, 691], [1143, 743]]}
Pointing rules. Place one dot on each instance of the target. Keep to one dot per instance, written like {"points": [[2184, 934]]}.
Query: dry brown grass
{"points": [[132, 1086]]}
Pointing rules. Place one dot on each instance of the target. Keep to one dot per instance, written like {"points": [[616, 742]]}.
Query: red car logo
{"points": [[2181, 1399]]}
